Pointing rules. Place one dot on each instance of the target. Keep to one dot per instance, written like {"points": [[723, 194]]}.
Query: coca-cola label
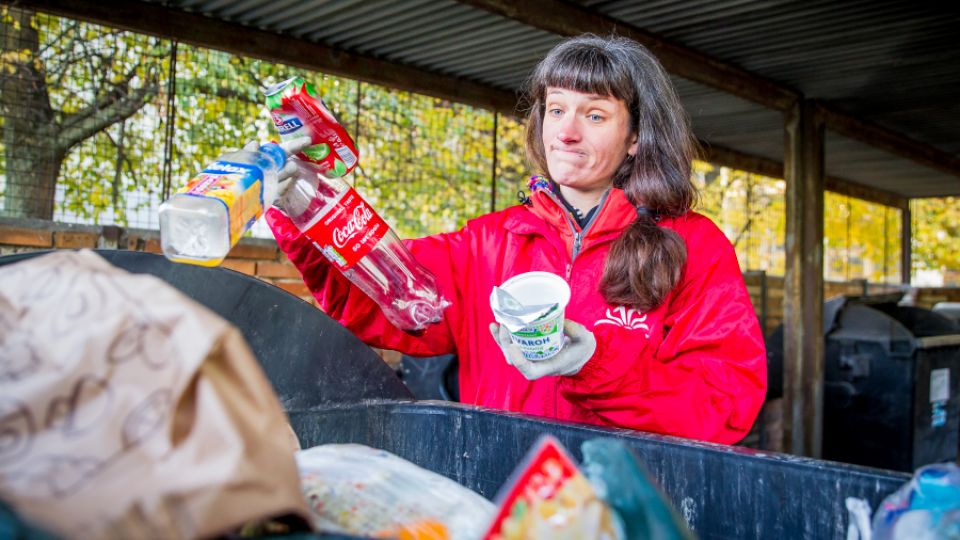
{"points": [[348, 231]]}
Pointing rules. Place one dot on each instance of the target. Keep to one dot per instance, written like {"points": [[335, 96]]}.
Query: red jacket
{"points": [[694, 367]]}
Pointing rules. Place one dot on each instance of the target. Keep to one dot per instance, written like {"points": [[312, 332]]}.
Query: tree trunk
{"points": [[32, 158], [32, 173]]}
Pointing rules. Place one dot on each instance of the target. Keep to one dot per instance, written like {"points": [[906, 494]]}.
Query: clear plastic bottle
{"points": [[202, 221], [363, 247]]}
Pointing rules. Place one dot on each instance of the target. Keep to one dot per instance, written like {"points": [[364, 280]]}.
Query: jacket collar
{"points": [[615, 214]]}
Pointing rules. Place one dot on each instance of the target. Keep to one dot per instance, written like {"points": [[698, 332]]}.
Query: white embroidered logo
{"points": [[630, 319]]}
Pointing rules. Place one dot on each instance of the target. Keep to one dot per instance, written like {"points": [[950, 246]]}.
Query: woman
{"points": [[662, 335]]}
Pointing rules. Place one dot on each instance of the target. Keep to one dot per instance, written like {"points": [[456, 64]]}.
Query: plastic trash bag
{"points": [[355, 489], [925, 508], [858, 526], [128, 410]]}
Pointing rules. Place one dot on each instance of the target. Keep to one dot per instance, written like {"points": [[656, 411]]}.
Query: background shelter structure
{"points": [[856, 97]]}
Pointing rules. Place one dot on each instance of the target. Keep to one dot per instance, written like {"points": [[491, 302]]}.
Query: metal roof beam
{"points": [[890, 141], [726, 157], [568, 19], [209, 32]]}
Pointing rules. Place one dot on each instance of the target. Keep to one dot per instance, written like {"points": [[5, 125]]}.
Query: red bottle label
{"points": [[348, 231]]}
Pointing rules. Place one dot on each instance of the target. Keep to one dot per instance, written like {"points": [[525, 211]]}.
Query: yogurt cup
{"points": [[544, 338]]}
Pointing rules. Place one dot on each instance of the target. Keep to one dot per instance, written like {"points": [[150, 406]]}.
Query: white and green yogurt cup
{"points": [[544, 337]]}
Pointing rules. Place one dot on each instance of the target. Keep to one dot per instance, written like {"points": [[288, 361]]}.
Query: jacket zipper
{"points": [[577, 235], [577, 244]]}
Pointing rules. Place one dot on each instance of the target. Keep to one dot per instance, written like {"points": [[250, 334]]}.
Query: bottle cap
{"points": [[276, 154]]}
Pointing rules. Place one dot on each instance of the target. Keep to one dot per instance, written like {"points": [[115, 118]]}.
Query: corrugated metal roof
{"points": [[889, 62]]}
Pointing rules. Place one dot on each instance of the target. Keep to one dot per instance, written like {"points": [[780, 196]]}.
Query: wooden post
{"points": [[906, 248], [803, 362]]}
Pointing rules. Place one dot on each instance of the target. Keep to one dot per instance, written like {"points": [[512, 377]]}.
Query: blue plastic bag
{"points": [[926, 507]]}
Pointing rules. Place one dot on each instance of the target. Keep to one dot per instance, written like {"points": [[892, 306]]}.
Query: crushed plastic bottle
{"points": [[363, 247], [202, 221], [298, 111]]}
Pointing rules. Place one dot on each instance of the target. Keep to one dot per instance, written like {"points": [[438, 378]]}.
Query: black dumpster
{"points": [[433, 377], [890, 391], [890, 382], [950, 310], [723, 492], [326, 379]]}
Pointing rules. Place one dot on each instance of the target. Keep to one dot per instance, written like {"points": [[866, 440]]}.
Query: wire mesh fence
{"points": [[861, 240], [750, 209], [101, 125], [81, 110]]}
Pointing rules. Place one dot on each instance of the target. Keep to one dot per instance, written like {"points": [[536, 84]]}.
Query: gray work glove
{"points": [[578, 346], [286, 174]]}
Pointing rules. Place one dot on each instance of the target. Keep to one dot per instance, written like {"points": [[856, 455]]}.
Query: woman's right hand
{"points": [[579, 346]]}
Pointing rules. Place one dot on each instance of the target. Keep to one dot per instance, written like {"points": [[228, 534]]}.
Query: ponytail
{"points": [[643, 265]]}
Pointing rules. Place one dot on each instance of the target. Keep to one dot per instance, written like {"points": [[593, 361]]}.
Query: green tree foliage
{"points": [[936, 237], [861, 240], [66, 84], [749, 208], [426, 162], [513, 170]]}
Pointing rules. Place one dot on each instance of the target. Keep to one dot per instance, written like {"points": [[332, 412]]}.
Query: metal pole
{"points": [[764, 292], [906, 248], [886, 242], [493, 168], [167, 173]]}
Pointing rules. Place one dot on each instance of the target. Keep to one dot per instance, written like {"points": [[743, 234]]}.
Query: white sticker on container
{"points": [[939, 384]]}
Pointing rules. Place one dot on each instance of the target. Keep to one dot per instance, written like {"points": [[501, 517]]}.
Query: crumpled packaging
{"points": [[129, 411]]}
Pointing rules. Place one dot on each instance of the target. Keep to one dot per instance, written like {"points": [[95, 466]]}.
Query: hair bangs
{"points": [[589, 70]]}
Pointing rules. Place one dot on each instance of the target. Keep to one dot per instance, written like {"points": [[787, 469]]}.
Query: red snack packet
{"points": [[547, 497]]}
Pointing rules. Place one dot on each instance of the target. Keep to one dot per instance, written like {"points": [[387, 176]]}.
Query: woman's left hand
{"points": [[579, 347], [286, 174]]}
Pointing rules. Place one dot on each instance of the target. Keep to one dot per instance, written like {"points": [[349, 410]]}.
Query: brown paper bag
{"points": [[127, 410]]}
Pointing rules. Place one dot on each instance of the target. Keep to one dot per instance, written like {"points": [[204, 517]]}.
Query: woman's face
{"points": [[585, 138]]}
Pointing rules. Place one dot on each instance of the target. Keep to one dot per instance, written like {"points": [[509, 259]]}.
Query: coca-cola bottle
{"points": [[363, 247]]}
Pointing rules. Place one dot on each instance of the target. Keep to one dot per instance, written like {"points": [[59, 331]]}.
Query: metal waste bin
{"points": [[327, 382], [722, 492], [891, 379], [890, 382], [950, 310]]}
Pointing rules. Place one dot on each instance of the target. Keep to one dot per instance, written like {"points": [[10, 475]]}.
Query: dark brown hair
{"points": [[646, 261]]}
